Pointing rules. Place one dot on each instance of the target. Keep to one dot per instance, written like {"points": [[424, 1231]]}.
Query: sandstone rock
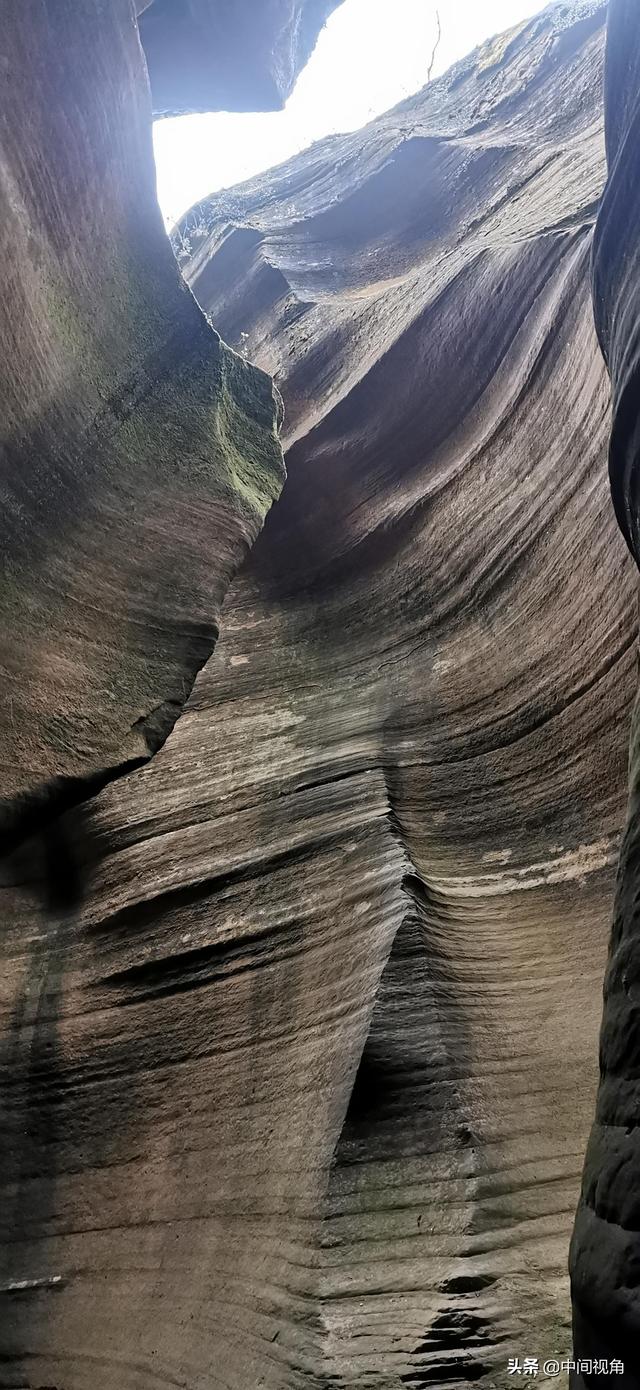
{"points": [[139, 454], [299, 1096], [231, 55]]}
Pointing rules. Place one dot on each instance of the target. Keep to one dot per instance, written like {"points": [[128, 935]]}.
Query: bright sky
{"points": [[370, 55]]}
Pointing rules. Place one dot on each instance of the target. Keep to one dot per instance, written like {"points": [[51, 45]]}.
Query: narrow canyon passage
{"points": [[298, 1095]]}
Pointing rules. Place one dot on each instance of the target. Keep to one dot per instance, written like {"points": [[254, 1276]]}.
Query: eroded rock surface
{"points": [[299, 1097], [139, 453], [605, 1259], [443, 577]]}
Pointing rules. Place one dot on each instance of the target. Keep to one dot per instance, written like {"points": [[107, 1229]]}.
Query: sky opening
{"points": [[371, 55]]}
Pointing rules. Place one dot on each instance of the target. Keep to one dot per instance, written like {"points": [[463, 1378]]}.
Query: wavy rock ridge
{"points": [[442, 594]]}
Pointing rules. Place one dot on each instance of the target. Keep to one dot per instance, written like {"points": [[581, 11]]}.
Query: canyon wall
{"points": [[140, 455], [605, 1251], [298, 1095]]}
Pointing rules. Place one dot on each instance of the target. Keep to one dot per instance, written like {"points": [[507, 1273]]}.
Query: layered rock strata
{"points": [[140, 454], [421, 292]]}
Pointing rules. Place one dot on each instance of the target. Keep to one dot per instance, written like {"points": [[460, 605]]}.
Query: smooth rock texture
{"points": [[605, 1256], [228, 55], [299, 1097], [139, 453]]}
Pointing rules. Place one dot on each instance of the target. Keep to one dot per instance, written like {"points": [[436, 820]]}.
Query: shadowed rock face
{"points": [[299, 1096], [605, 1257], [228, 55], [139, 453]]}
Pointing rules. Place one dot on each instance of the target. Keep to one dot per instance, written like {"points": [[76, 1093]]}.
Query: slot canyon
{"points": [[319, 827]]}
